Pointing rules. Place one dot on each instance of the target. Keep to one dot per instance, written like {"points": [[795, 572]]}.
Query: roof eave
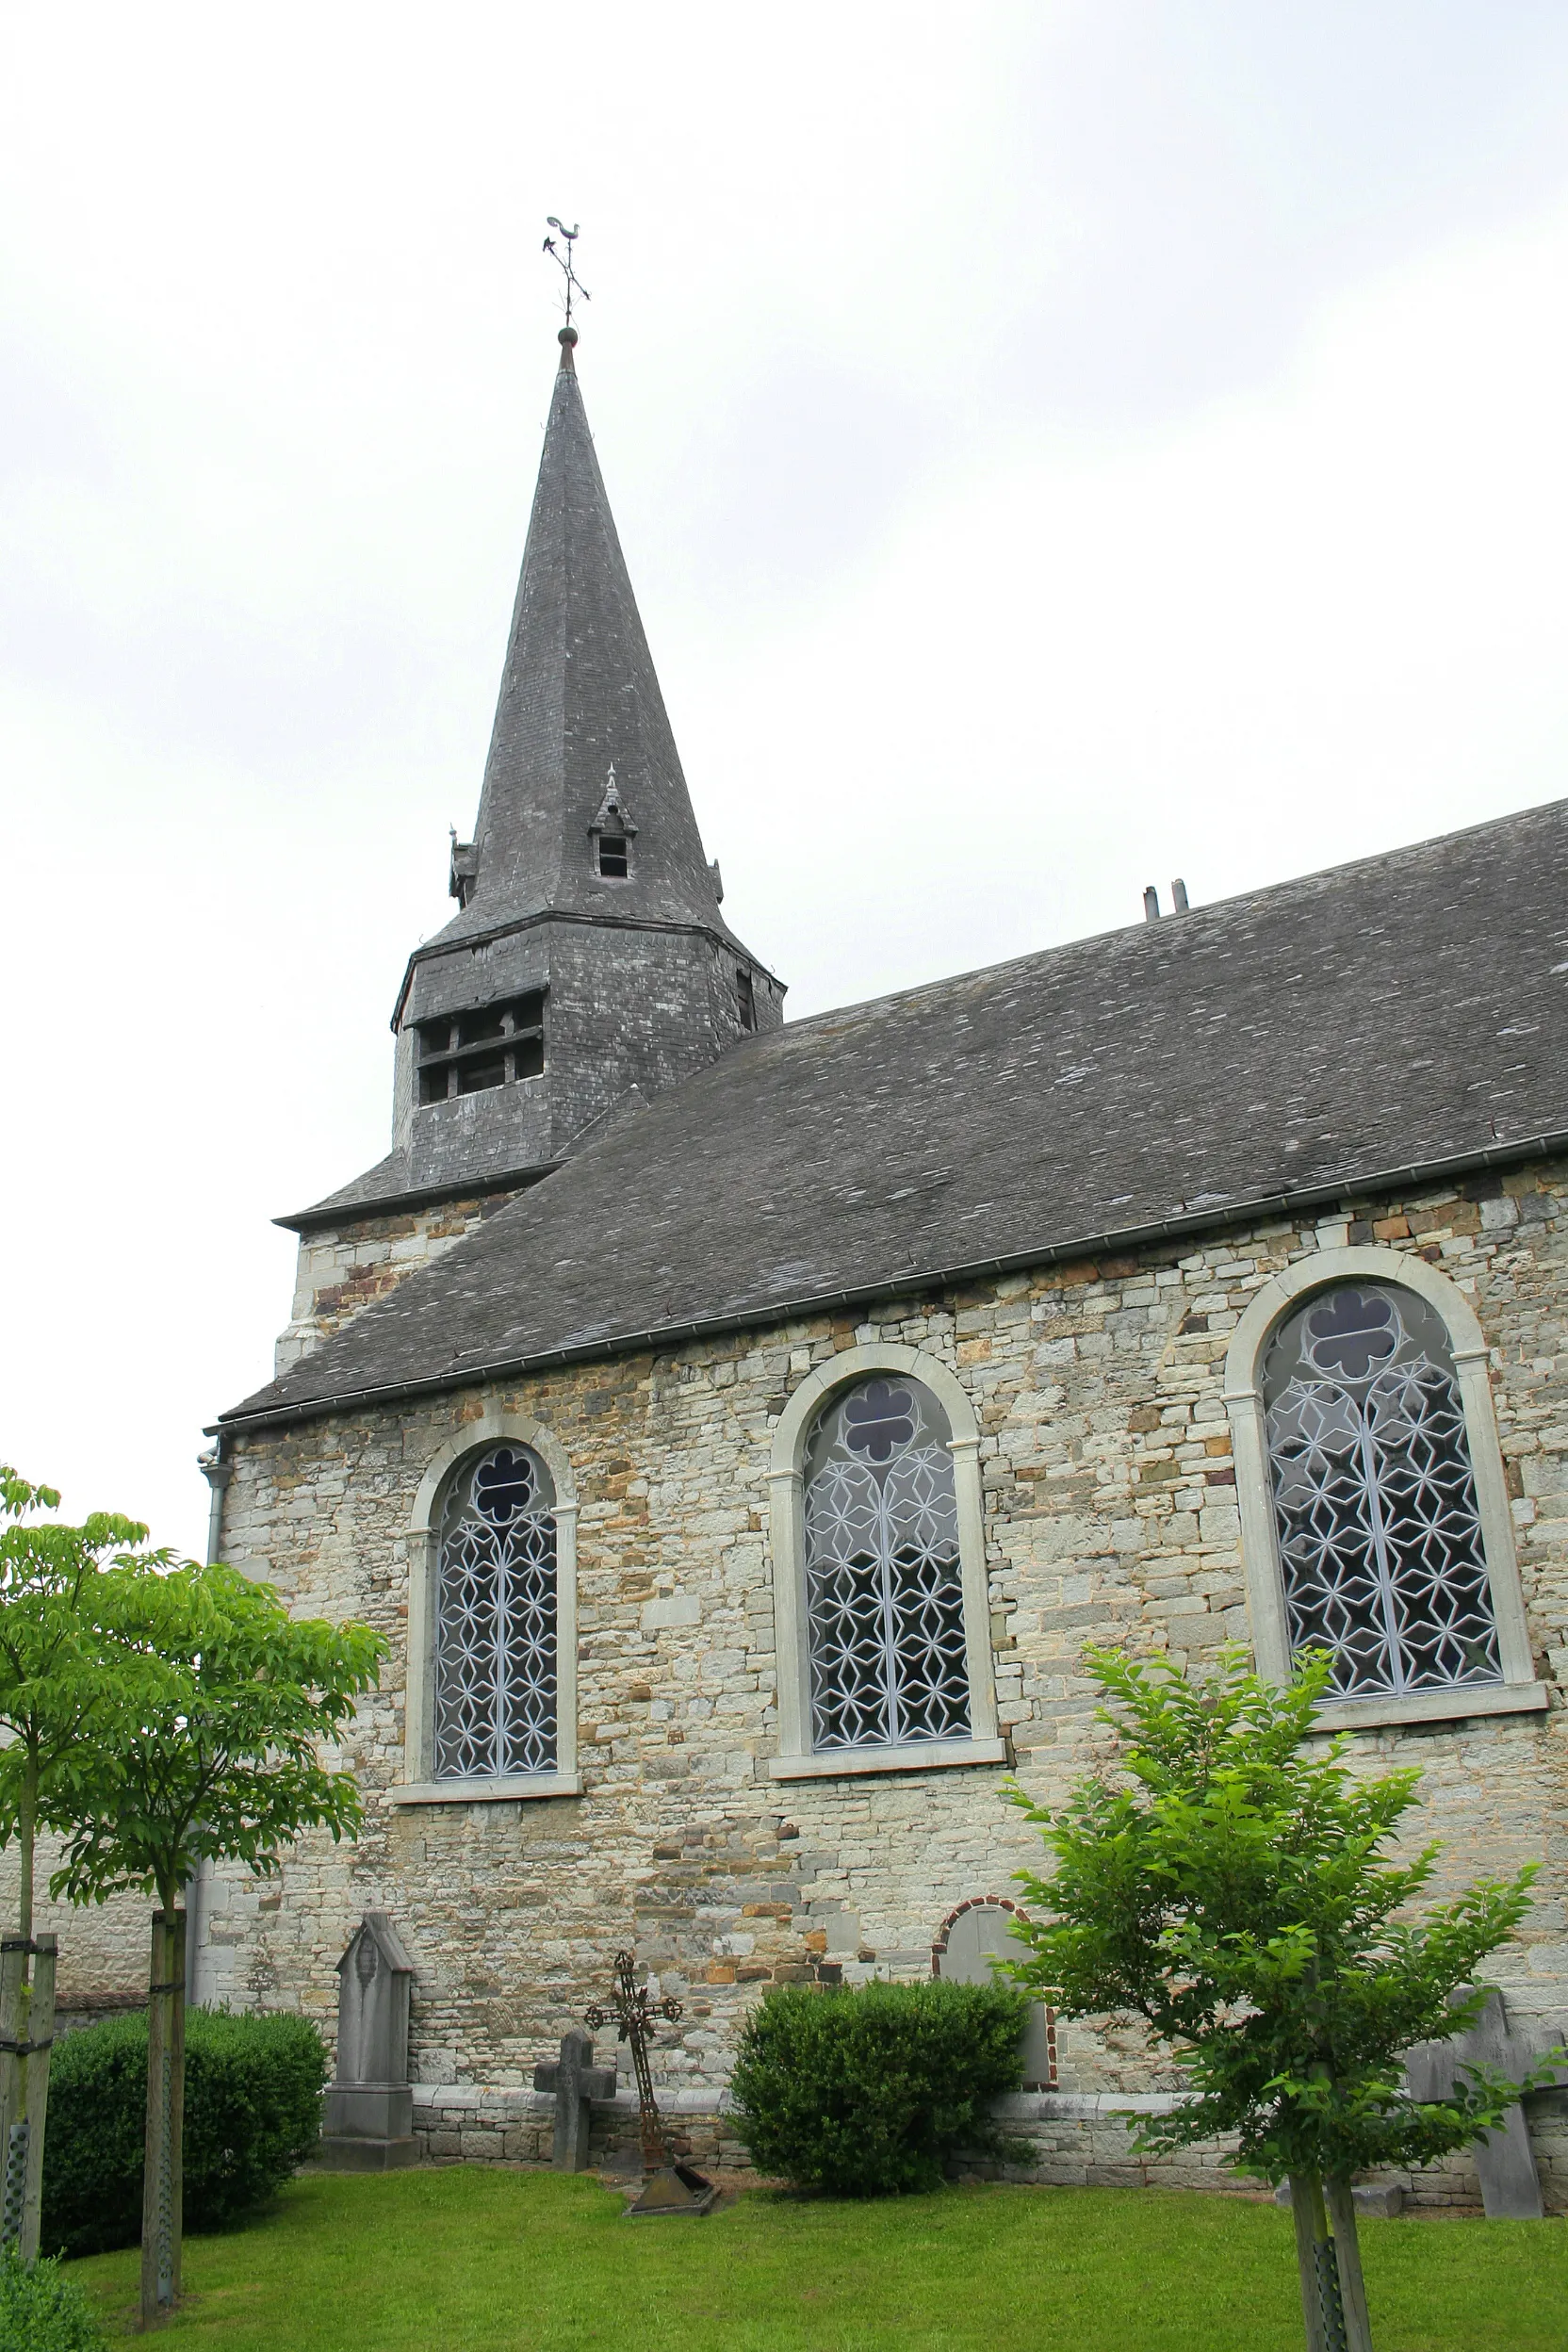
{"points": [[1502, 1154]]}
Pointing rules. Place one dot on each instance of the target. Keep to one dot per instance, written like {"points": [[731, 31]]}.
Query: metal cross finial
{"points": [[632, 2010], [563, 260]]}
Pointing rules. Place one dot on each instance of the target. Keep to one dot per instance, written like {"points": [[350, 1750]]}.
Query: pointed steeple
{"points": [[588, 956], [578, 697]]}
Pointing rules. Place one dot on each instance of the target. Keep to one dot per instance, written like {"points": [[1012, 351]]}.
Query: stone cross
{"points": [[574, 2080], [1510, 2189]]}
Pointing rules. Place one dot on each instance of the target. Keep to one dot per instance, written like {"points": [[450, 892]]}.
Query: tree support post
{"points": [[26, 2037], [35, 2087], [161, 2180], [1342, 2214], [1333, 2298], [14, 1950]]}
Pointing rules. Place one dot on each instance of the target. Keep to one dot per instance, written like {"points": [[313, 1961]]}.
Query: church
{"points": [[739, 1428]]}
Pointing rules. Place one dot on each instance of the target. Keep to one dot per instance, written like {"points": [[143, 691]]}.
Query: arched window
{"points": [[1374, 1513], [884, 1595], [878, 1563], [496, 1636], [1374, 1495]]}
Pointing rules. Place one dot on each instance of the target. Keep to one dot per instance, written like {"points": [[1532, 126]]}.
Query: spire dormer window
{"points": [[492, 1046], [745, 999], [611, 834]]}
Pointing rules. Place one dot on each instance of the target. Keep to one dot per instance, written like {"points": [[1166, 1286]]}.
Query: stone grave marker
{"points": [[667, 2187], [368, 2121], [574, 2080], [1510, 2187], [983, 1932]]}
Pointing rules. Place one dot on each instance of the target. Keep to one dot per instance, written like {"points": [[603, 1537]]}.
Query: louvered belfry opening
{"points": [[492, 1046]]}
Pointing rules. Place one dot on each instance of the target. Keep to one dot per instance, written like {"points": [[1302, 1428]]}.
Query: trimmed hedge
{"points": [[870, 2092], [252, 2113], [40, 2311]]}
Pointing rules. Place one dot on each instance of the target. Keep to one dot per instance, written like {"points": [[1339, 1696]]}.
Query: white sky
{"points": [[1057, 447]]}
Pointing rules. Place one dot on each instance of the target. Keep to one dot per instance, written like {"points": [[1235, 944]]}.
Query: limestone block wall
{"points": [[104, 1948], [1110, 1516], [343, 1268]]}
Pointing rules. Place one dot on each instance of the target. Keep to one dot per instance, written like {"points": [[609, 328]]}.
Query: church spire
{"points": [[588, 956], [578, 696]]}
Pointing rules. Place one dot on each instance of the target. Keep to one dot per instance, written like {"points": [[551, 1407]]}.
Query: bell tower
{"points": [[588, 964]]}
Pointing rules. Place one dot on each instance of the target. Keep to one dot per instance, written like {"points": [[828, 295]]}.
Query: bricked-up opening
{"points": [[747, 999], [466, 1052], [614, 856]]}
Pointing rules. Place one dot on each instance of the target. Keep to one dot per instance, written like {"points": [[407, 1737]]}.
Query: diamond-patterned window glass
{"points": [[495, 1628], [1374, 1495], [884, 1592]]}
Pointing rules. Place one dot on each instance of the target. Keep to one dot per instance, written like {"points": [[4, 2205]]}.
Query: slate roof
{"points": [[579, 694], [1408, 1012]]}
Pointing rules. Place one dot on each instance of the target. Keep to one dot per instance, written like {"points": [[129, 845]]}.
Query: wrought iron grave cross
{"points": [[667, 2187], [631, 2011]]}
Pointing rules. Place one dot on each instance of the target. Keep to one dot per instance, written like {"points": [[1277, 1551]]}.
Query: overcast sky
{"points": [[1057, 447]]}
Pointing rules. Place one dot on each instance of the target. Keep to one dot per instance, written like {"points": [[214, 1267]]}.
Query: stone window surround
{"points": [[1518, 1691], [424, 1542], [796, 1759]]}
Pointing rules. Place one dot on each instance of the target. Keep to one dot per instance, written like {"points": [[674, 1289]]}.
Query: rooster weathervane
{"points": [[563, 260]]}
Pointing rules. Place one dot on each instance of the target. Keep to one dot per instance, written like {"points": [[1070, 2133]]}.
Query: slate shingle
{"points": [[1402, 1012]]}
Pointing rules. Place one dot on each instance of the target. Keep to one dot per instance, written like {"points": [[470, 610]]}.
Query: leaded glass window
{"points": [[1374, 1494], [496, 1614], [884, 1592]]}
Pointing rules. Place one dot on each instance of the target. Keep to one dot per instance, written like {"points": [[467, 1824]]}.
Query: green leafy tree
{"points": [[63, 1678], [67, 1685], [223, 1765], [1229, 1881]]}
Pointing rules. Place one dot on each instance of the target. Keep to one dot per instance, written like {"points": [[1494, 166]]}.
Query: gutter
{"points": [[912, 1279]]}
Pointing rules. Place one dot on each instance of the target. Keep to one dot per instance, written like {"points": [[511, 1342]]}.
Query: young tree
{"points": [[65, 1686], [223, 1765], [1228, 1881]]}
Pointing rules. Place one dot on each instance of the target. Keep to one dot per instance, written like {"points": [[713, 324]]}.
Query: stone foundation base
{"points": [[1051, 2138]]}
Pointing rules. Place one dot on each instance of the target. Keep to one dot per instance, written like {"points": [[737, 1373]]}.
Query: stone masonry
{"points": [[346, 1266], [1110, 1516]]}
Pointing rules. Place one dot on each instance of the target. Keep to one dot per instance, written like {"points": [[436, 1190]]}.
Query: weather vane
{"points": [[563, 260]]}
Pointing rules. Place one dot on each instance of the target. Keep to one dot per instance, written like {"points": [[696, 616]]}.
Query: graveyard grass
{"points": [[488, 2260]]}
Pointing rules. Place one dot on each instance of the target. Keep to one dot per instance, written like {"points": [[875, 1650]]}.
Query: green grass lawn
{"points": [[483, 2261]]}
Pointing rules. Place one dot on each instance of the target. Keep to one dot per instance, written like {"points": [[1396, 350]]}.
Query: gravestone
{"points": [[368, 2122], [976, 1937], [574, 2080], [1510, 2187], [667, 2188]]}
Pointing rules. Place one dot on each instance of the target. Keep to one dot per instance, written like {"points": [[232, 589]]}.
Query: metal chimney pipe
{"points": [[1151, 905], [1178, 897]]}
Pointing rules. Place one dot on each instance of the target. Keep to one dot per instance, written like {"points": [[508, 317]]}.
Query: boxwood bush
{"points": [[252, 2112], [870, 2092], [41, 2311]]}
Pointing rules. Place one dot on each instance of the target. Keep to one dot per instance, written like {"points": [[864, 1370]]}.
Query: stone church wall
{"points": [[344, 1268], [1110, 1516]]}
